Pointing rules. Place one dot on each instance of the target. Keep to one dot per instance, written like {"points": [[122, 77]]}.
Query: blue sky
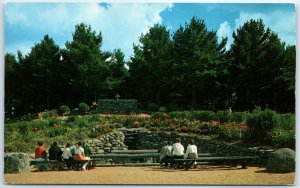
{"points": [[121, 24]]}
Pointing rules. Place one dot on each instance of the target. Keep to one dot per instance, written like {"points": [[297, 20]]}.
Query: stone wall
{"points": [[108, 142], [16, 163], [120, 106]]}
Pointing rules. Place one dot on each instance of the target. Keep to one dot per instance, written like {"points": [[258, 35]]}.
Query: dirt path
{"points": [[204, 175]]}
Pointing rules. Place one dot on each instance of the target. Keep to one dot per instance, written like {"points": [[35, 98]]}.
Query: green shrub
{"points": [[283, 138], [181, 115], [64, 110], [40, 124], [83, 107], [287, 121], [48, 114], [56, 121], [203, 115], [24, 128], [81, 122], [158, 115], [240, 116], [262, 122], [230, 132], [162, 109], [55, 131], [93, 118], [152, 107], [223, 116]]}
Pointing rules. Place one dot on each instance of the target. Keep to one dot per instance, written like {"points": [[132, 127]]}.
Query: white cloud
{"points": [[120, 24], [225, 31], [281, 22]]}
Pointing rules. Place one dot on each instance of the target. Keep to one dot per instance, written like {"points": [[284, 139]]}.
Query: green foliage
{"points": [[180, 114], [262, 122], [152, 107], [239, 116], [257, 79], [283, 138], [230, 132], [54, 122], [223, 116], [64, 110], [83, 107], [158, 115], [92, 126], [287, 121], [48, 114], [203, 115]]}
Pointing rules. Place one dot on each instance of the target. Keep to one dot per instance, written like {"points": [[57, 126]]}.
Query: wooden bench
{"points": [[234, 160], [76, 164], [150, 156]]}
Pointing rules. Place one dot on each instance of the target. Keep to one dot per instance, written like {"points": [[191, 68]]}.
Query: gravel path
{"points": [[203, 175]]}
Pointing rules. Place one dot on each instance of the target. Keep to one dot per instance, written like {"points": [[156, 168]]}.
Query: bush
{"points": [[262, 122], [40, 124], [230, 132], [283, 138], [240, 116], [160, 115], [223, 116], [54, 122], [78, 121], [64, 110], [83, 107], [48, 114], [152, 107], [181, 115], [287, 121], [203, 115], [162, 109]]}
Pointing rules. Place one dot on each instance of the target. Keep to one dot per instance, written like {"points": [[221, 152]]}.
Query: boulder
{"points": [[281, 161], [16, 163]]}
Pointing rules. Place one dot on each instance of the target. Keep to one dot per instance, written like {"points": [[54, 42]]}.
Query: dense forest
{"points": [[188, 69]]}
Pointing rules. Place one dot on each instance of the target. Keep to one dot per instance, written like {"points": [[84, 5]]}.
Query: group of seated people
{"points": [[168, 153], [67, 154]]}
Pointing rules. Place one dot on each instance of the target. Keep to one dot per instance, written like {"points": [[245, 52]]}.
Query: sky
{"points": [[121, 24]]}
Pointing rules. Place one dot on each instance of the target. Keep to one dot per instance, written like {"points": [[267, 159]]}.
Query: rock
{"points": [[16, 163], [108, 145], [282, 160]]}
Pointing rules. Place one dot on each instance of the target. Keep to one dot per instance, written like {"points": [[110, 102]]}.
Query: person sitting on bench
{"points": [[67, 156], [55, 153], [166, 154], [191, 153], [40, 155], [178, 153], [80, 156]]}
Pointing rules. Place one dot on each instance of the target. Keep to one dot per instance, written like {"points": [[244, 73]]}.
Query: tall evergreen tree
{"points": [[197, 56], [37, 75], [86, 64], [257, 56], [150, 66]]}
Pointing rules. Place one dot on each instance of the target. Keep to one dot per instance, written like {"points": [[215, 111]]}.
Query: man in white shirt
{"points": [[166, 154], [191, 153], [178, 152]]}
